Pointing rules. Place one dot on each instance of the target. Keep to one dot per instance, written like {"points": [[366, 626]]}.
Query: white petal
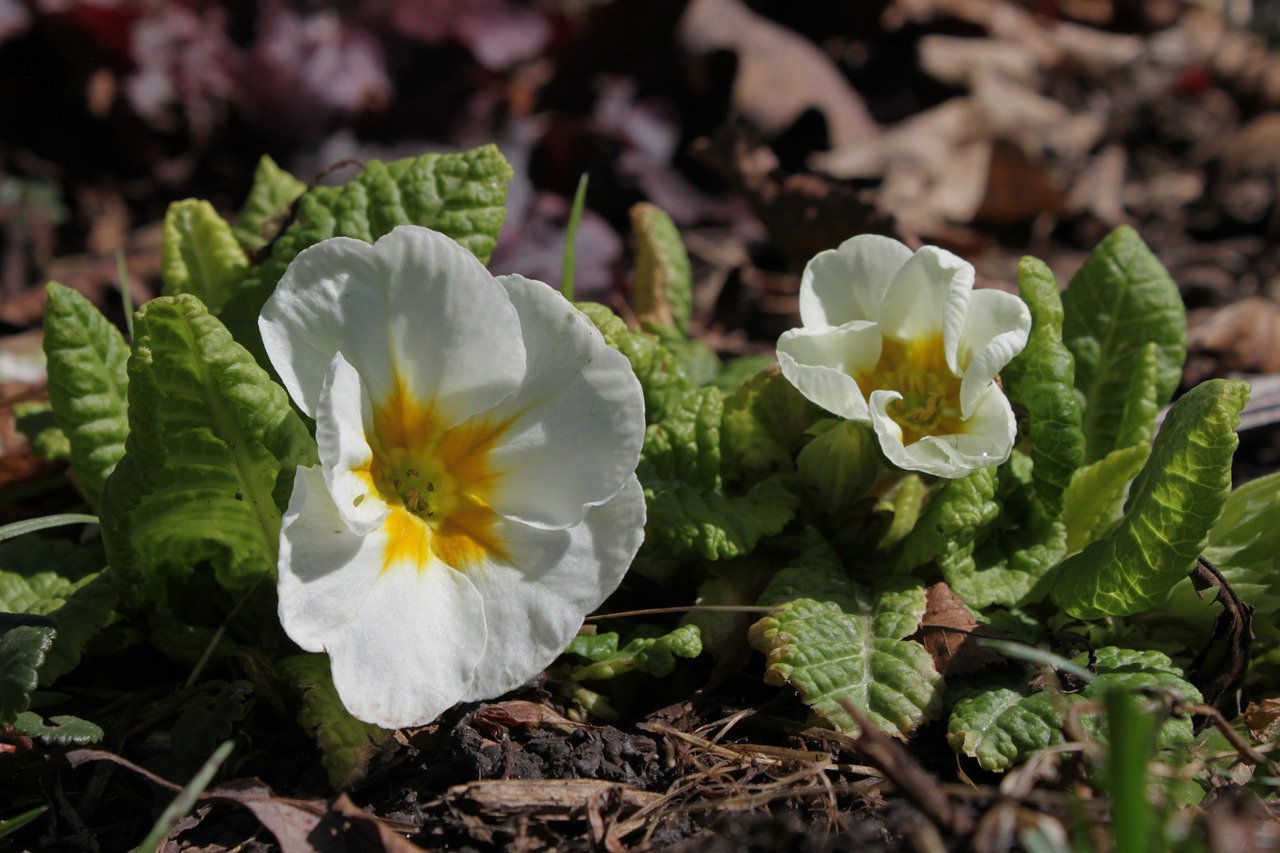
{"points": [[411, 651], [996, 330], [821, 362], [576, 421], [343, 419], [928, 297], [986, 441], [535, 607], [403, 642], [848, 283], [414, 308]]}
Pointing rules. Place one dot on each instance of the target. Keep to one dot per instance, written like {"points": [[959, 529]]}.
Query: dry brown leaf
{"points": [[545, 799], [780, 74], [950, 634], [1241, 337], [1263, 719]]}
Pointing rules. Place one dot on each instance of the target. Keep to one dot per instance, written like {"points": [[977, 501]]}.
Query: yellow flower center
{"points": [[917, 370], [437, 483]]}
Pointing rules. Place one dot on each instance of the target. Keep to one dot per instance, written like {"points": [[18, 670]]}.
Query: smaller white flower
{"points": [[476, 494], [902, 340]]}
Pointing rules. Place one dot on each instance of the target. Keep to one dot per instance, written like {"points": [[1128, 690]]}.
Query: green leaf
{"points": [[765, 424], [685, 520], [39, 425], [838, 466], [1120, 301], [1093, 499], [22, 653], [990, 535], [594, 646], [835, 640], [738, 370], [1245, 547], [685, 445], [1042, 380], [655, 656], [80, 612], [201, 256], [462, 195], [212, 450], [1002, 721], [661, 373], [903, 502], [1172, 506], [663, 284], [1142, 405], [346, 744], [948, 528], [61, 730], [267, 205], [54, 580], [87, 384]]}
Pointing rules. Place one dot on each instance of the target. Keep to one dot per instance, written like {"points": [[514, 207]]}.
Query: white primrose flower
{"points": [[902, 340], [476, 494]]}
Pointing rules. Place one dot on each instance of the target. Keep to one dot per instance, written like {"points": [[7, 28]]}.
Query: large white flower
{"points": [[476, 493], [902, 340]]}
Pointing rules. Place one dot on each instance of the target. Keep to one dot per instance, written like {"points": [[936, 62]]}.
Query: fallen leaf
{"points": [[780, 74], [1220, 667], [950, 633]]}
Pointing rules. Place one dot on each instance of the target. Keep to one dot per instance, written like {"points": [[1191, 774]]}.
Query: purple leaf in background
{"points": [[496, 32], [184, 60], [305, 71]]}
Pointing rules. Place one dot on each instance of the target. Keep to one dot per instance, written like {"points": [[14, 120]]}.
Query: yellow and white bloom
{"points": [[476, 494], [902, 340]]}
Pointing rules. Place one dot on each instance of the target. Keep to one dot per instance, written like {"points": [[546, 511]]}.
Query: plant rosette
{"points": [[476, 494], [902, 341]]}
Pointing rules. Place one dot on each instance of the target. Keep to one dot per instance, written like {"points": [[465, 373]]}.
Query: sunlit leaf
{"points": [[1120, 301], [663, 283], [835, 640], [87, 384], [268, 202], [201, 256], [212, 450], [1171, 507], [1041, 379]]}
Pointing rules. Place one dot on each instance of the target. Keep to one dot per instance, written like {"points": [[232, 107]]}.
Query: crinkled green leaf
{"points": [[663, 284], [681, 461], [765, 424], [655, 656], [1002, 721], [661, 374], [22, 653], [1245, 547], [201, 256], [685, 445], [61, 730], [1120, 301], [267, 205], [594, 646], [687, 520], [462, 195], [87, 384], [1042, 380], [990, 535], [698, 360], [211, 455], [835, 640], [80, 612], [949, 525], [1172, 506], [346, 744], [55, 579], [1142, 406], [1093, 499], [39, 425]]}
